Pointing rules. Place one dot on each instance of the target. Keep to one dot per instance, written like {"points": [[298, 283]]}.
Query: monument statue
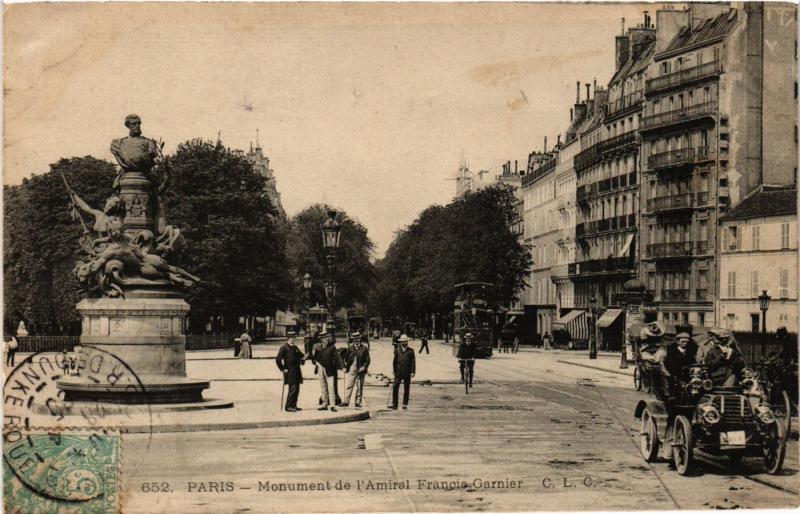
{"points": [[134, 308]]}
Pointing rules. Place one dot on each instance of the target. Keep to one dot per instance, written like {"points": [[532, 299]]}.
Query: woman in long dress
{"points": [[246, 340]]}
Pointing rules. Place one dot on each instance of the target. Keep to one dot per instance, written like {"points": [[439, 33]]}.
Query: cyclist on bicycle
{"points": [[466, 358]]}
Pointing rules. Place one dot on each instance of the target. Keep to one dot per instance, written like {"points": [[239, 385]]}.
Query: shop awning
{"points": [[573, 322], [608, 317], [626, 247]]}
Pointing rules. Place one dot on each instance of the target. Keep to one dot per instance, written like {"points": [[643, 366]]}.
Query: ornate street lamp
{"points": [[307, 281], [763, 302], [331, 233], [307, 288], [593, 336]]}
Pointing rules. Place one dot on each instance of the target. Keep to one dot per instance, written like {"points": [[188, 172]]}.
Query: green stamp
{"points": [[57, 472]]}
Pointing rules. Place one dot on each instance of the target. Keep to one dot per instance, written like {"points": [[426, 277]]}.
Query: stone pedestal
{"points": [[146, 334]]}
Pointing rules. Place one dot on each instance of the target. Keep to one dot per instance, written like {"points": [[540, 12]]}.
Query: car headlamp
{"points": [[764, 414], [709, 413], [708, 385]]}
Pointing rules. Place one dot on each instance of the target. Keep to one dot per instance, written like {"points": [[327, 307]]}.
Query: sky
{"points": [[368, 107]]}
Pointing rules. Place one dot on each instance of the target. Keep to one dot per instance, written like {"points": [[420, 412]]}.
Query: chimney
{"points": [[594, 86], [570, 114], [558, 140], [578, 92], [545, 144], [622, 51], [639, 38], [600, 98], [588, 96], [622, 31], [516, 166]]}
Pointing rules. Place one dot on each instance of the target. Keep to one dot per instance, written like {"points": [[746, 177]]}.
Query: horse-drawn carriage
{"points": [[692, 413]]}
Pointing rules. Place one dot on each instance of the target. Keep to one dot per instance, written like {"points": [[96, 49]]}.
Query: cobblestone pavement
{"points": [[533, 434]]}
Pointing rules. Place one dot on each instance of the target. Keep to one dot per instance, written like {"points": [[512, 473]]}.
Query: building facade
{"points": [[704, 146], [759, 252], [261, 165]]}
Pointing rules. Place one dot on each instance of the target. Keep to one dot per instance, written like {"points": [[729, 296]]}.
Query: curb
{"points": [[243, 425]]}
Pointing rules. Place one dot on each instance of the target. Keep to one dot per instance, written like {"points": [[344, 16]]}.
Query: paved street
{"points": [[536, 433]]}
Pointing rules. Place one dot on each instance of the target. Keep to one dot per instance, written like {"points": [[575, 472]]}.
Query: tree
{"points": [[353, 271], [234, 243], [41, 244], [469, 239]]}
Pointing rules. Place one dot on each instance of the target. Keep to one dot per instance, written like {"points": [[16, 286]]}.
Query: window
{"points": [[754, 322], [699, 62], [756, 237], [732, 284], [701, 318], [784, 285], [685, 318], [730, 321], [734, 239], [754, 283], [784, 235]]}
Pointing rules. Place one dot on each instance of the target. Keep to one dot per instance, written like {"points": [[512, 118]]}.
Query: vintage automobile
{"points": [[696, 415]]}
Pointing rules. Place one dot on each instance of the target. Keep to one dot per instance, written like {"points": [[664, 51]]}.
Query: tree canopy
{"points": [[469, 239], [234, 242], [353, 272], [41, 243]]}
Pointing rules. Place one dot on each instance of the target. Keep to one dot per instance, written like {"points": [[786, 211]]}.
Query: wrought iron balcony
{"points": [[604, 149], [682, 115], [680, 157], [627, 103], [607, 265], [591, 228], [675, 295], [679, 249], [677, 202], [683, 77]]}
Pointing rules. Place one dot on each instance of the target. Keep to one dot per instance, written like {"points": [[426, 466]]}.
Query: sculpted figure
{"points": [[106, 222], [135, 152]]}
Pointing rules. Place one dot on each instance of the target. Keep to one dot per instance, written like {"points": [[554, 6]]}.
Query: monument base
{"points": [[140, 338]]}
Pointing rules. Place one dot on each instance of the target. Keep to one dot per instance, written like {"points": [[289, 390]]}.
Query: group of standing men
{"points": [[328, 360]]}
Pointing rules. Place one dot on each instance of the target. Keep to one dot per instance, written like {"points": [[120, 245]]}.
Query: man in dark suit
{"points": [[289, 360], [466, 358], [356, 365], [404, 368], [329, 363]]}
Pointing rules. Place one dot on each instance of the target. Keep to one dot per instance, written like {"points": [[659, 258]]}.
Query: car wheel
{"points": [[682, 445], [648, 440], [774, 449], [637, 378]]}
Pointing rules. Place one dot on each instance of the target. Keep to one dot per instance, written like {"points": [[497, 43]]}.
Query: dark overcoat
{"points": [[290, 358], [404, 363]]}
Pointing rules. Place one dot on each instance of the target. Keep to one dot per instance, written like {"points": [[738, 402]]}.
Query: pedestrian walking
{"points": [[289, 360], [246, 340], [466, 359], [423, 336], [546, 340], [11, 350], [237, 346], [328, 361], [405, 367], [356, 366]]}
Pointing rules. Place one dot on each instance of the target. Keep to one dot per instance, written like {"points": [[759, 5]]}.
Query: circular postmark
{"points": [[57, 450]]}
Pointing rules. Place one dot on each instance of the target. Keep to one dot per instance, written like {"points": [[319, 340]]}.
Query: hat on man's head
{"points": [[720, 333], [355, 336], [468, 335], [402, 339], [291, 333], [682, 335], [654, 329]]}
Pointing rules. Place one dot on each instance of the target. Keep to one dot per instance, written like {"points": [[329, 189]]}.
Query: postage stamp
{"points": [[61, 472]]}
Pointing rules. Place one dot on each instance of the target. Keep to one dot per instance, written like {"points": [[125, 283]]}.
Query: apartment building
{"points": [[713, 130]]}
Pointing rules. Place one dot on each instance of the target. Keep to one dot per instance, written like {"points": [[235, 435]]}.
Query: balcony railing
{"points": [[604, 225], [679, 249], [677, 202], [628, 102], [610, 264], [531, 176], [606, 148], [680, 157], [675, 295], [683, 77], [684, 114]]}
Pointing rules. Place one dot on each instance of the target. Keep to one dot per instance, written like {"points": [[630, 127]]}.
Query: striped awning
{"points": [[608, 317], [575, 323]]}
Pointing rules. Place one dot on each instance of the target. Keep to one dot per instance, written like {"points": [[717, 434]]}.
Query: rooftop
{"points": [[706, 30], [768, 201]]}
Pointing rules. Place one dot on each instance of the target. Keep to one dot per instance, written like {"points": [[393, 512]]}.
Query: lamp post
{"points": [[331, 233], [593, 337], [307, 289], [623, 361], [763, 302]]}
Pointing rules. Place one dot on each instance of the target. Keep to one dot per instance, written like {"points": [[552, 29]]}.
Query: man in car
{"points": [[675, 360], [724, 361]]}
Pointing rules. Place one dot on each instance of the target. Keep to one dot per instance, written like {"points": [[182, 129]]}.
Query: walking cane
{"points": [[283, 388], [466, 376]]}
